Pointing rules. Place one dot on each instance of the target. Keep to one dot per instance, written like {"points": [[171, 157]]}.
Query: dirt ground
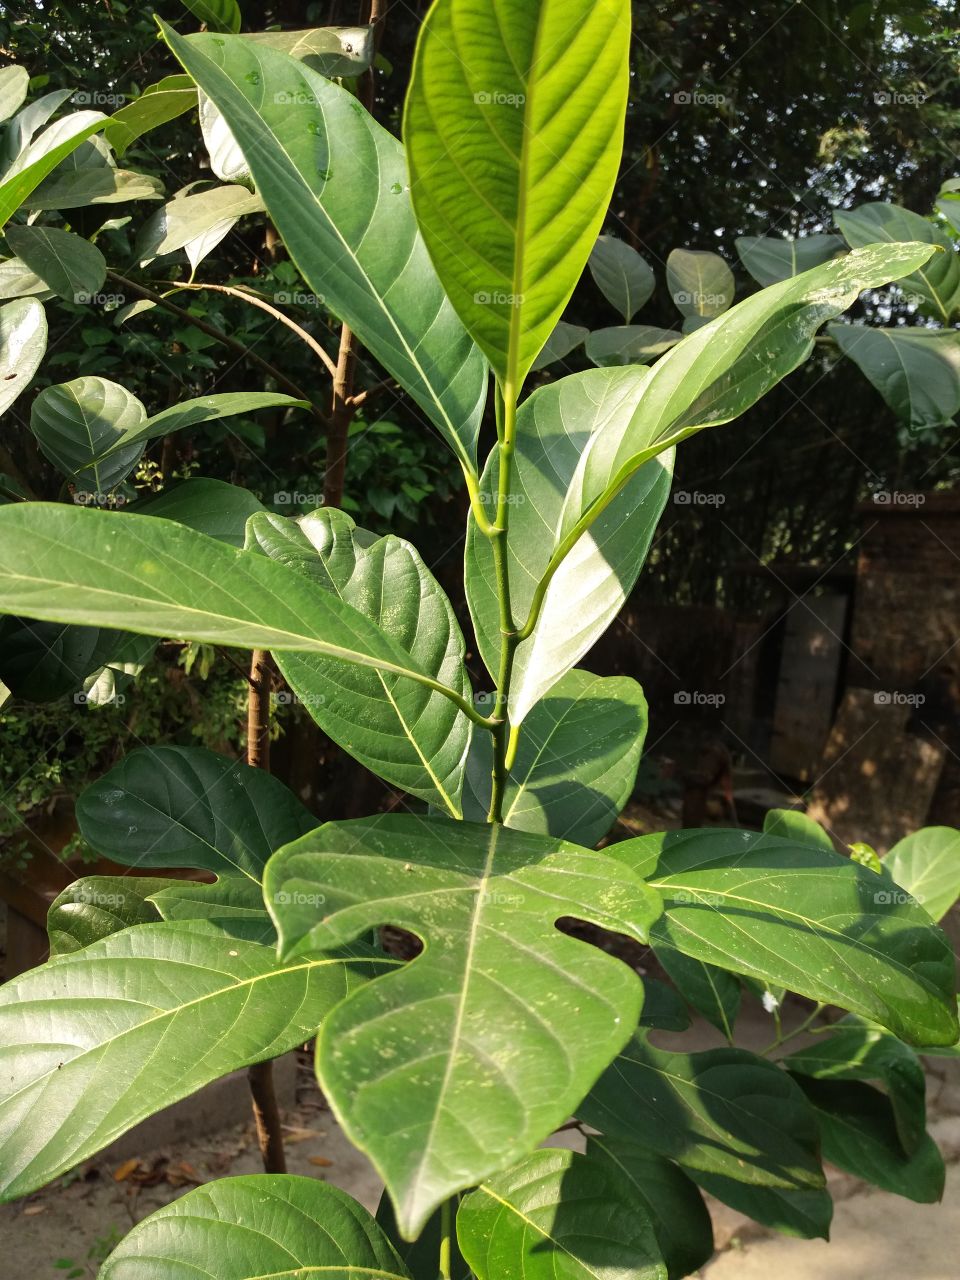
{"points": [[875, 1236]]}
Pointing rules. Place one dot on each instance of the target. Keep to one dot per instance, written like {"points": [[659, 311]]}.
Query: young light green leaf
{"points": [[42, 156], [18, 281], [14, 83], [23, 341], [558, 428], [917, 371], [558, 1213], [158, 104], [412, 736], [158, 1010], [564, 340], [701, 283], [770, 259], [19, 132], [254, 1227], [485, 901], [514, 129], [94, 907], [69, 265], [94, 185], [629, 344], [155, 577], [927, 865], [792, 915], [624, 278], [859, 1134], [790, 824], [576, 762], [357, 247], [668, 1197], [186, 807], [935, 286], [193, 413], [715, 374], [202, 219], [77, 423], [722, 1111]]}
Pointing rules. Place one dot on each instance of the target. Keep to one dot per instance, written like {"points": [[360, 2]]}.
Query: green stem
{"points": [[446, 1240], [499, 533], [797, 1031]]}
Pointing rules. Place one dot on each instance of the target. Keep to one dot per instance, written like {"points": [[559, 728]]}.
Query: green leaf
{"points": [[667, 1197], [917, 371], [94, 907], [41, 661], [212, 507], [621, 275], [42, 156], [187, 807], [18, 281], [333, 51], [25, 125], [157, 105], [254, 1227], [194, 413], [52, 566], [711, 990], [357, 246], [86, 186], [718, 372], [859, 1050], [23, 341], [807, 1214], [14, 84], [859, 1134], [558, 428], [564, 340], [218, 15], [770, 259], [514, 129], [791, 915], [663, 1009], [196, 223], [701, 283], [66, 263], [629, 344], [557, 1213], [489, 1004], [77, 423], [927, 865], [576, 763], [790, 824], [722, 1111], [420, 1257], [158, 1011], [410, 735], [935, 287]]}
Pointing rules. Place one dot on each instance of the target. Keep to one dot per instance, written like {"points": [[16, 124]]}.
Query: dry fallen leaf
{"points": [[33, 1209], [124, 1171], [322, 1161]]}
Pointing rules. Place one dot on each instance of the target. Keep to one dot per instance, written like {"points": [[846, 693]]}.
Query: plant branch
{"points": [[341, 416], [247, 295], [446, 1239], [234, 344], [504, 742]]}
